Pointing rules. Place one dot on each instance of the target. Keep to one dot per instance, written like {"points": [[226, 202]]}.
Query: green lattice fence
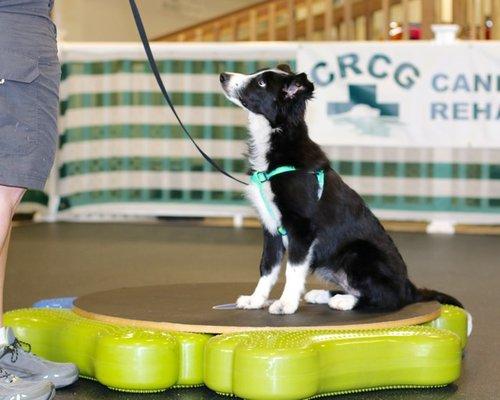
{"points": [[121, 151]]}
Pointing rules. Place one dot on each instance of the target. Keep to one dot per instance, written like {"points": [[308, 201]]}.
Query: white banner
{"points": [[404, 94]]}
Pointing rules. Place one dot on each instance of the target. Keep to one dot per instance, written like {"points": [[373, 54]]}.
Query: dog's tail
{"points": [[443, 298], [415, 295]]}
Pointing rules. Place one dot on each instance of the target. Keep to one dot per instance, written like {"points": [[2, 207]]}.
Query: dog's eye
{"points": [[261, 83]]}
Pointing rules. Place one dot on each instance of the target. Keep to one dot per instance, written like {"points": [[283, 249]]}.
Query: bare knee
{"points": [[10, 198]]}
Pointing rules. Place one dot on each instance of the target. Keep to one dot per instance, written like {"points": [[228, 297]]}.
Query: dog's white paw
{"points": [[250, 302], [283, 307], [343, 302], [317, 296]]}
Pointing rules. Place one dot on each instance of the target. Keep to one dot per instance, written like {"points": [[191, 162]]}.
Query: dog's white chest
{"points": [[268, 211], [262, 196]]}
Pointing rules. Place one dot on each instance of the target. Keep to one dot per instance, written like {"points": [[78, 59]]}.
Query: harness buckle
{"points": [[261, 176], [282, 231]]}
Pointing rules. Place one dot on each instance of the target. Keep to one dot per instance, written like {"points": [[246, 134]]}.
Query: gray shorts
{"points": [[29, 99]]}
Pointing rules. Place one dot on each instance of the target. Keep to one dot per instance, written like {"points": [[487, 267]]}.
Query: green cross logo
{"points": [[363, 94]]}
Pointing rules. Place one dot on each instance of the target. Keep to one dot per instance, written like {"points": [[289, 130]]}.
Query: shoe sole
{"points": [[59, 382], [64, 381], [51, 395]]}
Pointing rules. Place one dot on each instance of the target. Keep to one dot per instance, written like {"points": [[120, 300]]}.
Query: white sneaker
{"points": [[29, 367], [14, 388]]}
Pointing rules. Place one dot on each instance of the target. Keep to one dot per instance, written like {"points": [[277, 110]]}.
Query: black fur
{"points": [[347, 235]]}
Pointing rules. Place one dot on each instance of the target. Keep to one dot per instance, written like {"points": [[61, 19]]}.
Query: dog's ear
{"points": [[299, 85], [285, 68]]}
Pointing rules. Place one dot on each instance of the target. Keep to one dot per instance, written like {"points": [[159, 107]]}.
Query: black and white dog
{"points": [[329, 230]]}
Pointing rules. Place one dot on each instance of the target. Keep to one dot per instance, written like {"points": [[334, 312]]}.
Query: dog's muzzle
{"points": [[223, 78], [231, 84]]}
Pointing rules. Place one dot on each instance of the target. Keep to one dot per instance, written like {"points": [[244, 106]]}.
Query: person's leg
{"points": [[9, 199], [32, 371]]}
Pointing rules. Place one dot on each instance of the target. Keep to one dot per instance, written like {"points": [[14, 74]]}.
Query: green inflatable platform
{"points": [[253, 365]]}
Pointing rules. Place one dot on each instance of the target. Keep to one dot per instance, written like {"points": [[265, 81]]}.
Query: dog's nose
{"points": [[224, 77]]}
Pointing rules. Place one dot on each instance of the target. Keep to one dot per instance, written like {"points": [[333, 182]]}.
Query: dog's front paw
{"points": [[343, 302], [250, 302], [283, 307]]}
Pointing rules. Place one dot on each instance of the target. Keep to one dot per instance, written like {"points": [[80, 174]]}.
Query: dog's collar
{"points": [[258, 178]]}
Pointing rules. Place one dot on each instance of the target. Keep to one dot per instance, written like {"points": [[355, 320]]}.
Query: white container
{"points": [[445, 33]]}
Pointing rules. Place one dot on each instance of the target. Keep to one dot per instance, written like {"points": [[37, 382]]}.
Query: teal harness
{"points": [[258, 178]]}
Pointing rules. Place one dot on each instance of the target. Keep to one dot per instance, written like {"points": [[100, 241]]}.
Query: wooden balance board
{"points": [[209, 308]]}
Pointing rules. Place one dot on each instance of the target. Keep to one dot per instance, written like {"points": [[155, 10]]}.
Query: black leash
{"points": [[154, 68]]}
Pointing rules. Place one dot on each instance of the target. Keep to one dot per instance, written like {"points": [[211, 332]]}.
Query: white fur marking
{"points": [[271, 222], [294, 287], [260, 133], [261, 293], [317, 296], [343, 302]]}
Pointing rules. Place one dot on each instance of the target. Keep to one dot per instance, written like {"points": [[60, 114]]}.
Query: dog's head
{"points": [[276, 93]]}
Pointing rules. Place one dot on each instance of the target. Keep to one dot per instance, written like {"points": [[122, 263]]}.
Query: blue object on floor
{"points": [[59, 302]]}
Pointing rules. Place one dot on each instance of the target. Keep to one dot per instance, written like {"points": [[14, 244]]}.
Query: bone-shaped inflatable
{"points": [[254, 365]]}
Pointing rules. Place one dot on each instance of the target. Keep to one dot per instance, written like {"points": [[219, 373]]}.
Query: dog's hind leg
{"points": [[343, 302], [317, 296], [320, 296], [372, 279], [270, 263]]}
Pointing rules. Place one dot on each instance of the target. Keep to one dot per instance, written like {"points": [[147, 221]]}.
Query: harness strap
{"points": [[258, 178]]}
